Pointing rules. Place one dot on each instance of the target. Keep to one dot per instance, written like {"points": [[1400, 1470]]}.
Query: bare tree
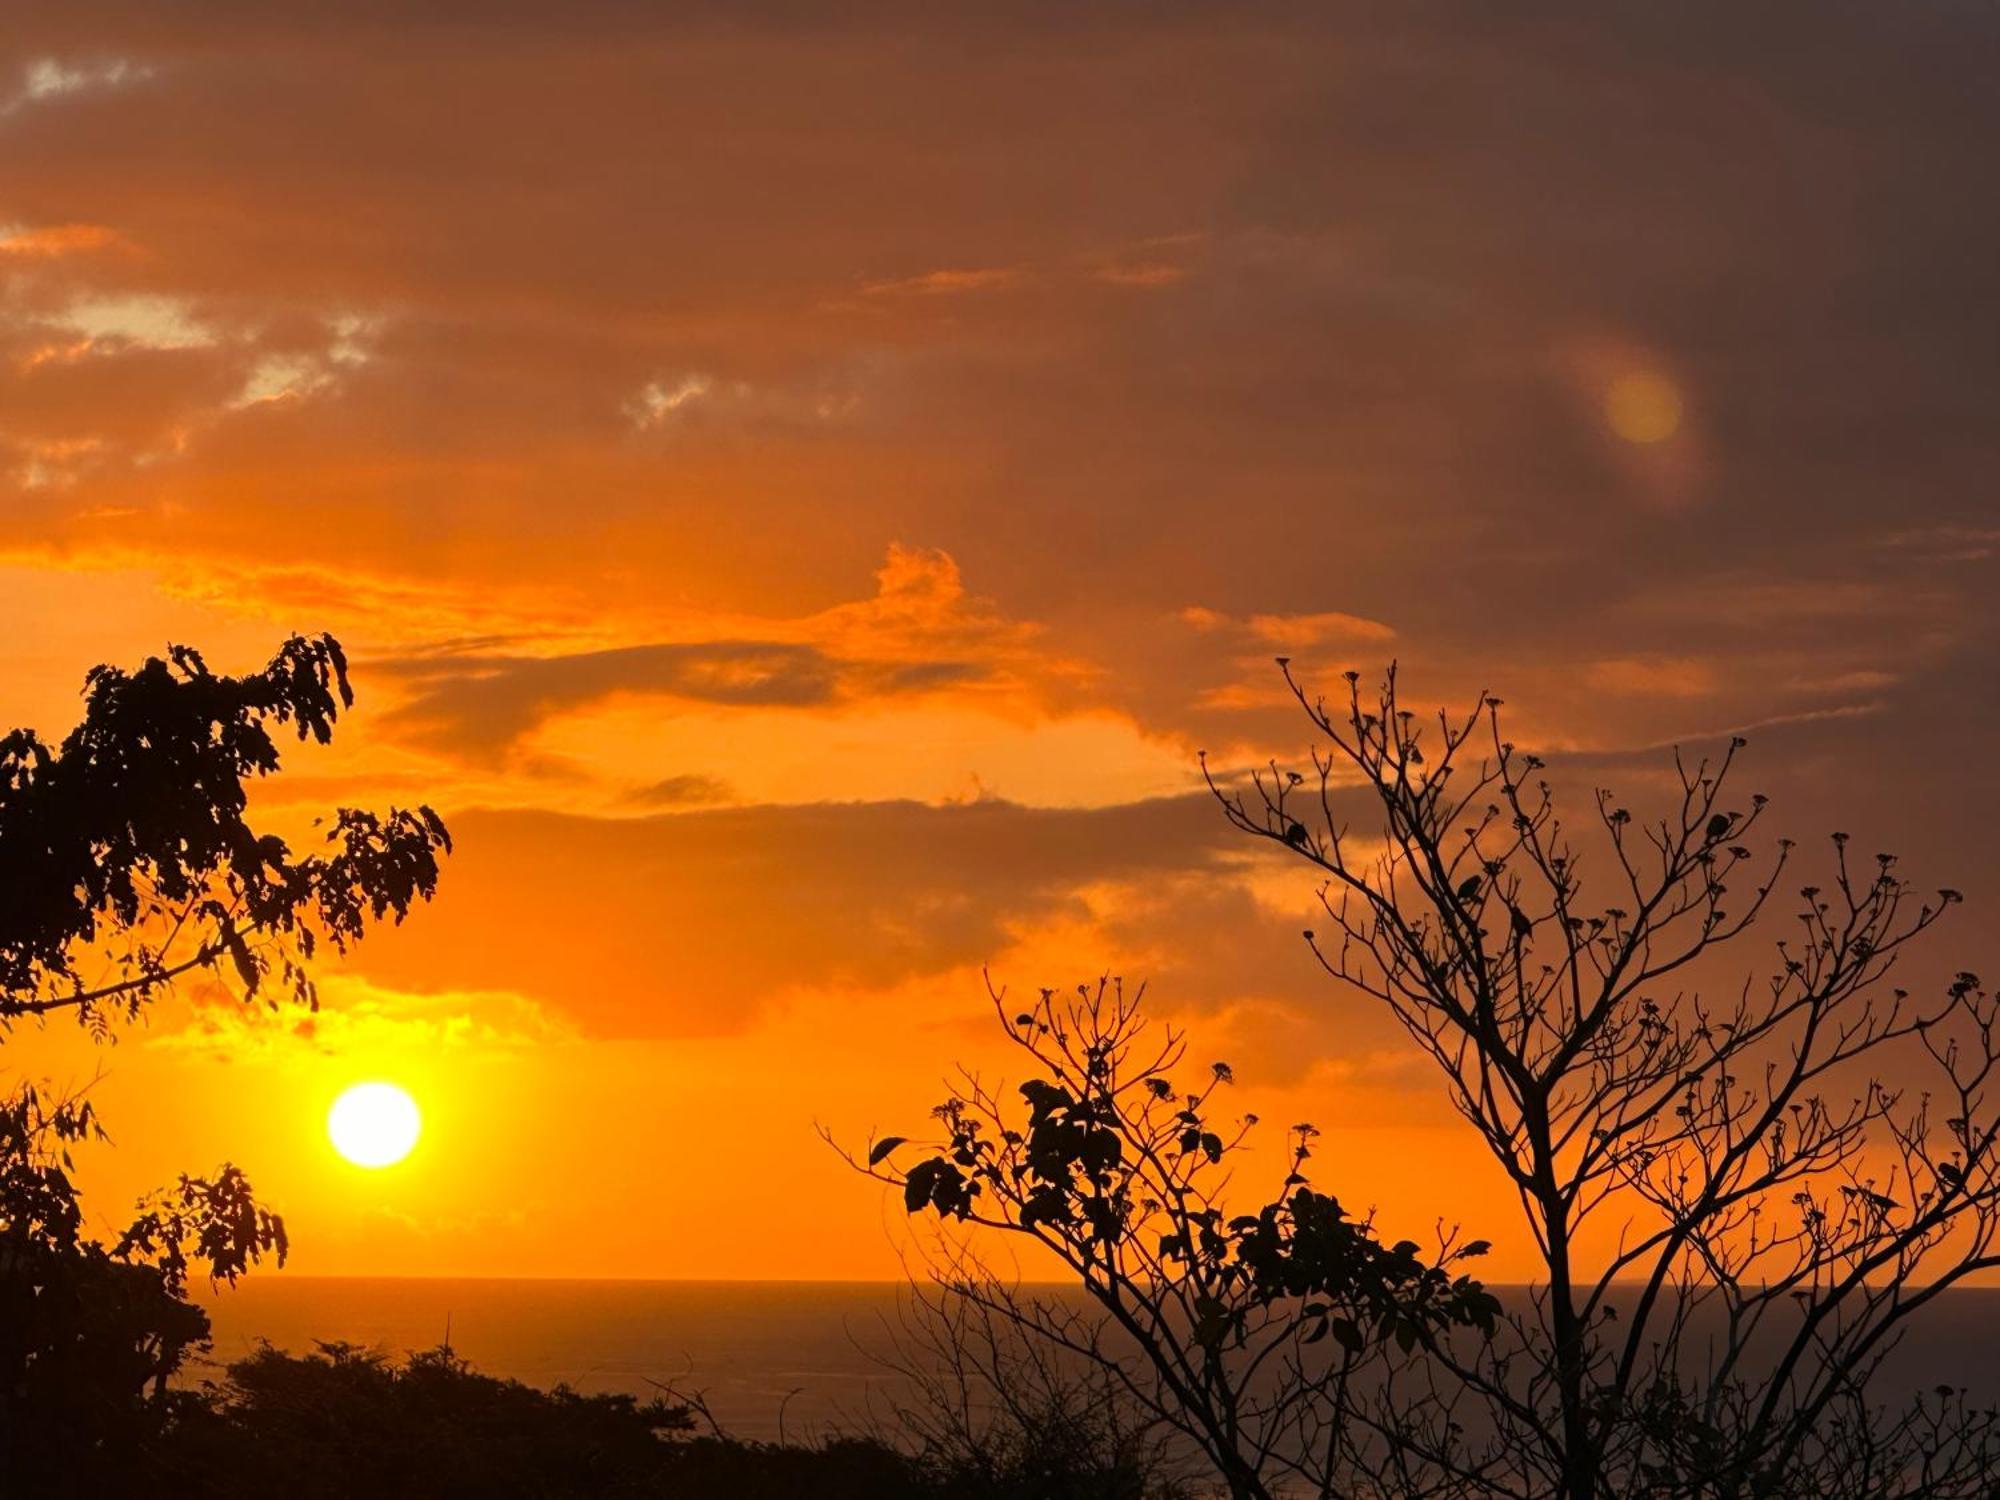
{"points": [[1795, 1166], [1253, 1336]]}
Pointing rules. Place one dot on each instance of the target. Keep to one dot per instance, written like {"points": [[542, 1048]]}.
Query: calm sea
{"points": [[804, 1355], [772, 1358]]}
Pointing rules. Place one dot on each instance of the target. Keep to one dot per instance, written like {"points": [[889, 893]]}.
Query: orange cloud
{"points": [[51, 241], [356, 1018], [738, 907], [946, 282], [919, 635], [1682, 677], [1147, 274], [1291, 632]]}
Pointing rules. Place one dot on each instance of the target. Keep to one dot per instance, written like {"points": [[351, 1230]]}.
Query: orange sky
{"points": [[798, 496]]}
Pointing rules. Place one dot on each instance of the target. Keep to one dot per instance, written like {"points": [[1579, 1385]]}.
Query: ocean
{"points": [[772, 1359]]}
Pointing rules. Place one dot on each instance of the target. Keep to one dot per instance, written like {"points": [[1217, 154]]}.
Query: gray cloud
{"points": [[686, 790], [692, 922], [478, 705]]}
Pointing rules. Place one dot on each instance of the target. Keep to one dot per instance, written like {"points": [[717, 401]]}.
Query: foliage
{"points": [[1242, 1331], [134, 835], [1797, 1164], [136, 830]]}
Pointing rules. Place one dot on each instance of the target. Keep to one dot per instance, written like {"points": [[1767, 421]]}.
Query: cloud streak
{"points": [[480, 705]]}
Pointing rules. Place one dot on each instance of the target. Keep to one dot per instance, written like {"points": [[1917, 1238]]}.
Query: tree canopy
{"points": [[128, 859], [136, 830]]}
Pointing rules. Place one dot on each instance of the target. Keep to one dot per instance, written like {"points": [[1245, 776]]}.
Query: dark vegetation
{"points": [[345, 1422], [1796, 1165]]}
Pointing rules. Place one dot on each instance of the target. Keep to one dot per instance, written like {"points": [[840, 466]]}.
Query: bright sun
{"points": [[374, 1124]]}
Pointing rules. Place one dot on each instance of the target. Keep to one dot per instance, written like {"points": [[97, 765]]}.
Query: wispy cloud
{"points": [[357, 1018], [947, 281], [659, 401], [1296, 631], [685, 790], [46, 78], [141, 320], [1673, 677], [484, 704], [54, 241]]}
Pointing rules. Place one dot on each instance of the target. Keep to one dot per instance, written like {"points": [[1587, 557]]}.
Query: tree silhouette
{"points": [[134, 831], [1248, 1333], [1797, 1164], [127, 861]]}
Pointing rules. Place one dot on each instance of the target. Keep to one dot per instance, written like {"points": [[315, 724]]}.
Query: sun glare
{"points": [[374, 1124], [1643, 407]]}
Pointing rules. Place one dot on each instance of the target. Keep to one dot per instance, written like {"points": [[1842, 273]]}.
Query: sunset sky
{"points": [[799, 495]]}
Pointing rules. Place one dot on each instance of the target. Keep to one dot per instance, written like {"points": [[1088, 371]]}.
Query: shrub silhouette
{"points": [[347, 1421]]}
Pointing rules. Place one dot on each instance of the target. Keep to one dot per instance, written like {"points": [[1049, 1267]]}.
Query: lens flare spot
{"points": [[1643, 406], [374, 1124]]}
